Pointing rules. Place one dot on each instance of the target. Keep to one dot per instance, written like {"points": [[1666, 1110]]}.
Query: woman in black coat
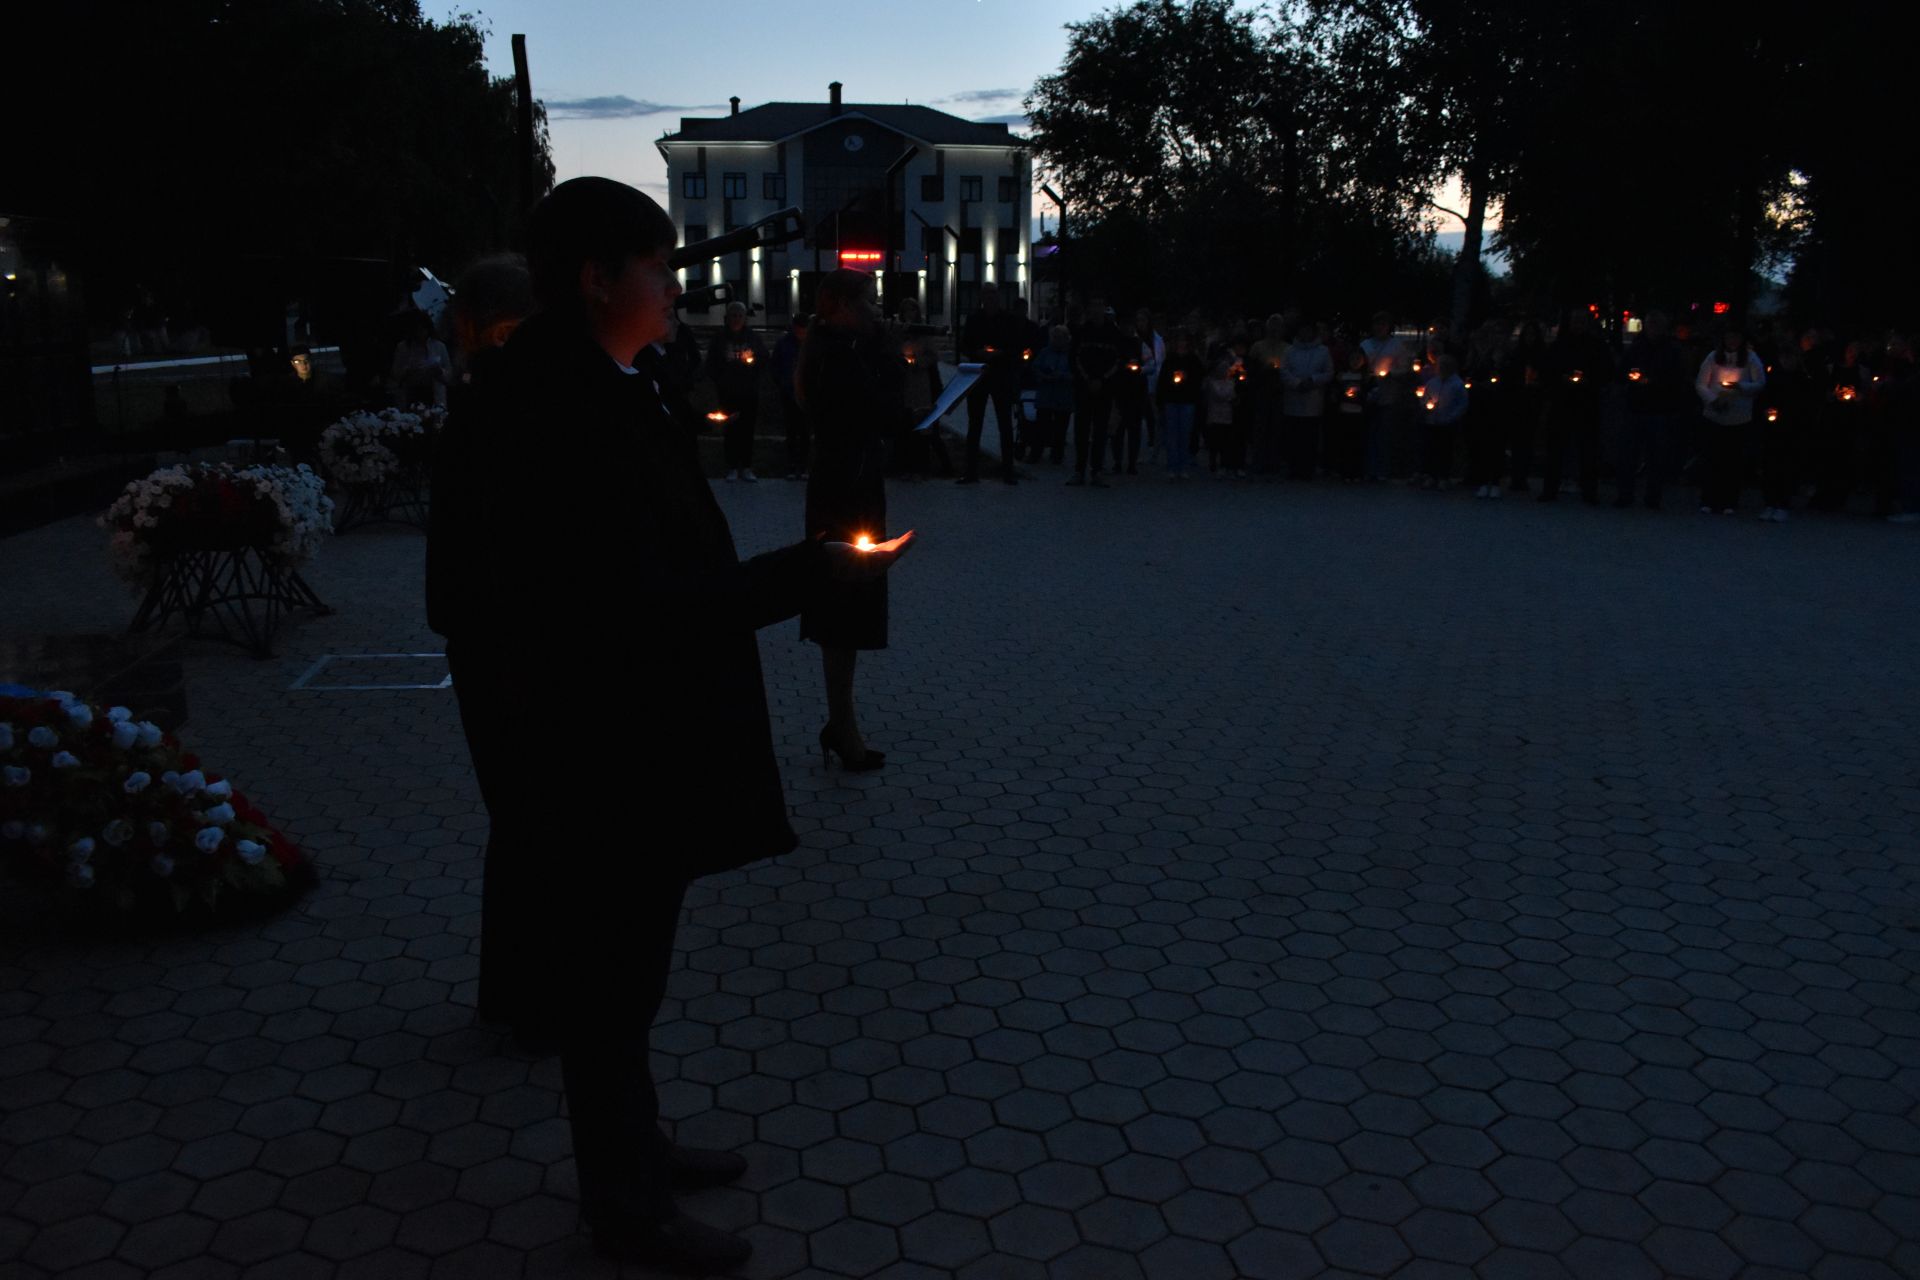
{"points": [[852, 383], [600, 631]]}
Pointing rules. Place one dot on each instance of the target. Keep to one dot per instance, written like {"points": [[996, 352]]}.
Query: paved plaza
{"points": [[1265, 881]]}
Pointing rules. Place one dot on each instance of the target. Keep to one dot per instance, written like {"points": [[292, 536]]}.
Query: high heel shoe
{"points": [[853, 764]]}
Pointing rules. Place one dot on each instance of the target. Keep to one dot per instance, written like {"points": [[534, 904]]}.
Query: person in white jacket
{"points": [[1305, 371], [1727, 383]]}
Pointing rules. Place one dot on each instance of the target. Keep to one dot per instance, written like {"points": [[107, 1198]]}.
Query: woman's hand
{"points": [[848, 563]]}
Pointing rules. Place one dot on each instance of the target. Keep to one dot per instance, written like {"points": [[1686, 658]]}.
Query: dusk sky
{"points": [[615, 76]]}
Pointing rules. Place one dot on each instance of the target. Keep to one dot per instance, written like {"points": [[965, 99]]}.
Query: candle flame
{"points": [[1773, 415], [863, 542], [1633, 375], [1432, 405], [1178, 377], [1416, 366], [1574, 376], [718, 415]]}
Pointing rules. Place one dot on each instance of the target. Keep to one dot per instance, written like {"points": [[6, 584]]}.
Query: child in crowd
{"points": [[1222, 393]]}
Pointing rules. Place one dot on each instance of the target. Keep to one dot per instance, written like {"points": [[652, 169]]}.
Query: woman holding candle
{"points": [[1390, 363], [1727, 383], [734, 361], [1178, 396], [532, 548], [852, 383], [1305, 372]]}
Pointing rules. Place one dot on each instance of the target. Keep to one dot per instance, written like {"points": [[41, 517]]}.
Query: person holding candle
{"points": [[1132, 390], [1522, 399], [1390, 363], [1727, 383], [852, 383], [1659, 389], [519, 581], [1346, 445], [735, 359], [1486, 350], [920, 453], [1442, 411], [1784, 410], [1579, 368], [1182, 380], [1266, 387]]}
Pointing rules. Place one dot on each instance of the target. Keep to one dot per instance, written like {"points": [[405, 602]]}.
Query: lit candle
{"points": [[1418, 392], [1468, 385], [1773, 415], [1416, 366], [1383, 370], [1575, 376], [1432, 405], [910, 358], [747, 356], [1179, 376], [1027, 354], [1845, 393], [1633, 375], [1133, 366], [718, 415], [991, 350], [1353, 393], [1495, 378], [863, 542]]}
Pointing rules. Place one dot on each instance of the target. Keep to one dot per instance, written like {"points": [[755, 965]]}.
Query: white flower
{"points": [[80, 875], [157, 832], [149, 734], [220, 815], [6, 736], [250, 851], [136, 783], [18, 776], [125, 735], [80, 714], [191, 782], [117, 832], [117, 714], [220, 790], [80, 850], [209, 839], [62, 696], [44, 738], [12, 829], [64, 760], [161, 865]]}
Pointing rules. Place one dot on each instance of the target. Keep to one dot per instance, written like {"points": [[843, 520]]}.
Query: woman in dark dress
{"points": [[600, 632], [852, 385]]}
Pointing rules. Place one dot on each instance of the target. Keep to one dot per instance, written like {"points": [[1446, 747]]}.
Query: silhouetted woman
{"points": [[852, 384]]}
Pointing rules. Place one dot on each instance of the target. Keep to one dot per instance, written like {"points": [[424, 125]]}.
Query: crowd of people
{"points": [[1805, 417]]}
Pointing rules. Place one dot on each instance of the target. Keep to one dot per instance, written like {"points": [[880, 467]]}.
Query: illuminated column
{"points": [[923, 294], [793, 291], [756, 286]]}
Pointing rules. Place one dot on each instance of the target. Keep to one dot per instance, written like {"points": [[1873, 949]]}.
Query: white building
{"points": [[935, 206]]}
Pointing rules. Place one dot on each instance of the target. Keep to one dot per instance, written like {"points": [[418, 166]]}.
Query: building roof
{"points": [[777, 121]]}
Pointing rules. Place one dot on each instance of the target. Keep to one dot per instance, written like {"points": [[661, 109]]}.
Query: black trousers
{"points": [[1002, 394], [1050, 434], [1436, 457], [1090, 415], [1723, 456], [1576, 423], [1346, 450], [1303, 446], [1132, 417], [799, 433], [739, 434], [1646, 445], [613, 1107], [495, 714]]}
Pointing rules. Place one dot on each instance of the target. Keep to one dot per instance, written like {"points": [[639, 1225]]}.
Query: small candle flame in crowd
{"points": [[746, 357], [1633, 375], [864, 542], [1179, 376], [1133, 366], [1845, 393], [1432, 405], [1416, 366], [1027, 354], [1575, 376], [1353, 393], [1773, 415], [718, 415]]}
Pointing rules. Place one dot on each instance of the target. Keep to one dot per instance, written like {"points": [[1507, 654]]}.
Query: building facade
{"points": [[937, 207]]}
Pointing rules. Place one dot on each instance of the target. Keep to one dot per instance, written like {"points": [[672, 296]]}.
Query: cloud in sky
{"points": [[1017, 121], [615, 107], [977, 96]]}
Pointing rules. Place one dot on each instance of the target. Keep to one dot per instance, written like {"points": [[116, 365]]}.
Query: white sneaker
{"points": [[1706, 511], [747, 475], [732, 476]]}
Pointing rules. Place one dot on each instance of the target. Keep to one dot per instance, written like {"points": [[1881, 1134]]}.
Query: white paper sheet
{"points": [[951, 393]]}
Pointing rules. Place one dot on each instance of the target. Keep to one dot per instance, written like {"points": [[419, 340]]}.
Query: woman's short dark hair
{"points": [[492, 296], [590, 220]]}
